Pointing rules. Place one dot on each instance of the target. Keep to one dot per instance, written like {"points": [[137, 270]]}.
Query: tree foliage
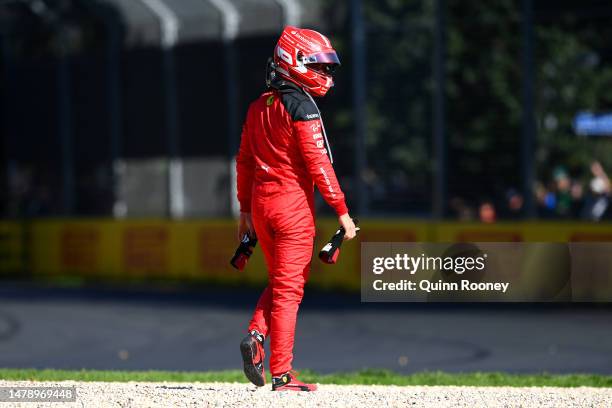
{"points": [[573, 71]]}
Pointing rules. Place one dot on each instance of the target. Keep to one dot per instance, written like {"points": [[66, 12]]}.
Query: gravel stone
{"points": [[133, 394]]}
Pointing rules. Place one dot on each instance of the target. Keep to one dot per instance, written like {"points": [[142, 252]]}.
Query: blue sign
{"points": [[590, 124]]}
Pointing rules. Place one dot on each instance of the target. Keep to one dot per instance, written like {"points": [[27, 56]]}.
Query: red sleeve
{"points": [[312, 145], [245, 170]]}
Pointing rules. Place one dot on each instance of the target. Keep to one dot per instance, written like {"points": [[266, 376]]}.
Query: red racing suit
{"points": [[282, 155]]}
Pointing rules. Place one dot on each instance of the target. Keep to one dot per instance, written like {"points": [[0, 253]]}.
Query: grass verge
{"points": [[365, 377]]}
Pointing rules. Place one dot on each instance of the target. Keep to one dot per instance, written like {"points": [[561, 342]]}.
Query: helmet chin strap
{"points": [[331, 156]]}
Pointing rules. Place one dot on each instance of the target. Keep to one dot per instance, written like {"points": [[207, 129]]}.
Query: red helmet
{"points": [[306, 58]]}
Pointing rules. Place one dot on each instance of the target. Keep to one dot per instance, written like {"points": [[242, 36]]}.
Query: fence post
{"points": [[359, 104], [65, 128], [439, 113], [529, 128]]}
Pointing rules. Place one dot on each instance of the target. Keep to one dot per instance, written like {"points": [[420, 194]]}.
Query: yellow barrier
{"points": [[11, 248], [138, 249], [200, 249], [523, 232]]}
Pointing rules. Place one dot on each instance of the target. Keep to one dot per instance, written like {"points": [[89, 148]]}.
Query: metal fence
{"points": [[133, 108]]}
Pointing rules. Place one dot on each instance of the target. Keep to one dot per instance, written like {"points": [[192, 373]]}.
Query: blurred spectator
{"points": [[562, 194], [598, 202], [577, 193], [514, 204], [486, 212], [460, 210], [546, 201], [562, 198]]}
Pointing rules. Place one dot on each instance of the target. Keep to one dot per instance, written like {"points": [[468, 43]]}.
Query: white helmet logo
{"points": [[284, 55]]}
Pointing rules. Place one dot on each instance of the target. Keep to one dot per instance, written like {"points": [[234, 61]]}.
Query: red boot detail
{"points": [[288, 382]]}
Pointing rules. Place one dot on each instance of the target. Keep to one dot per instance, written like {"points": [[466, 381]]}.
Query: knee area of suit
{"points": [[287, 293]]}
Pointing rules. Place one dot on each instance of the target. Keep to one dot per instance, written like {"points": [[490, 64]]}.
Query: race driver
{"points": [[283, 153]]}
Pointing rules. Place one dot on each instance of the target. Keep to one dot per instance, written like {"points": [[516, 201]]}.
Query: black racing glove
{"points": [[330, 252], [244, 252]]}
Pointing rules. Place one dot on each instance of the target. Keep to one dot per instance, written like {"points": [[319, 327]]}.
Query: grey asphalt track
{"points": [[200, 330]]}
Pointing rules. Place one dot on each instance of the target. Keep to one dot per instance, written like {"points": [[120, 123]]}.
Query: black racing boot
{"points": [[252, 350]]}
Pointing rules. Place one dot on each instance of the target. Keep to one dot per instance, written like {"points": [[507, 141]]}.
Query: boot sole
{"points": [[251, 372], [299, 388]]}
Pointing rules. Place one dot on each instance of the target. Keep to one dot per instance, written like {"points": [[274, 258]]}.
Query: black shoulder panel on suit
{"points": [[298, 105]]}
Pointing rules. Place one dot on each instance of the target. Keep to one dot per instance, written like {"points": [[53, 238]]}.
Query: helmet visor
{"points": [[322, 58]]}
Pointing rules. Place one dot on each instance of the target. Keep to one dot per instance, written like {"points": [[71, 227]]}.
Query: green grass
{"points": [[383, 377]]}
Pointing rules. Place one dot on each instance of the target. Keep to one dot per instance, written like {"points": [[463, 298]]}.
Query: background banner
{"points": [[199, 250]]}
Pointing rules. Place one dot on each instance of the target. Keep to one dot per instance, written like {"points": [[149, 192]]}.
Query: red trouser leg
{"points": [[287, 242], [293, 253], [261, 317]]}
